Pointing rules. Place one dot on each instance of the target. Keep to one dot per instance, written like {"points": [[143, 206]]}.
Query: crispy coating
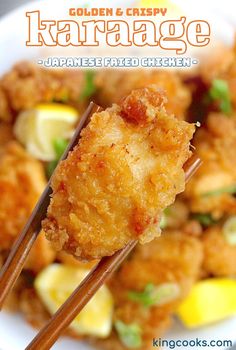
{"points": [[113, 187], [27, 85], [171, 258], [22, 181], [215, 144], [114, 85], [219, 255]]}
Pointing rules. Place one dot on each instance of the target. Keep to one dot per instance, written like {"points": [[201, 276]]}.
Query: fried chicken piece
{"points": [[113, 187], [176, 215], [215, 144], [32, 308], [5, 110], [218, 64], [219, 255], [222, 65], [230, 77], [41, 255], [177, 258], [171, 258], [116, 84], [12, 302], [22, 181], [6, 134], [27, 85]]}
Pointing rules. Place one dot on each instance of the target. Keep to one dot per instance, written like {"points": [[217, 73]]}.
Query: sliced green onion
{"points": [[59, 146], [228, 189], [129, 334], [229, 230], [156, 295], [89, 88], [220, 91], [204, 219], [145, 297]]}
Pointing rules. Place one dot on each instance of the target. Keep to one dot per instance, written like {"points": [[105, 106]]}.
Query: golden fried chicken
{"points": [[222, 65], [219, 255], [34, 311], [41, 255], [115, 84], [6, 134], [22, 181], [173, 259], [27, 85], [211, 189], [113, 187], [218, 64]]}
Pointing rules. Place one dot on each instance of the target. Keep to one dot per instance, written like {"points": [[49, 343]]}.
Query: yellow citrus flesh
{"points": [[209, 301], [37, 129], [55, 284]]}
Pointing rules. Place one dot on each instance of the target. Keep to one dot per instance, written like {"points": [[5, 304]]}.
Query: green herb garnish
{"points": [[228, 189], [204, 219], [59, 146], [145, 297], [219, 91], [155, 295], [89, 88], [129, 334]]}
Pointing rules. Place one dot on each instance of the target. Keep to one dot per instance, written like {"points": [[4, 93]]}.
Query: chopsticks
{"points": [[99, 274], [20, 250]]}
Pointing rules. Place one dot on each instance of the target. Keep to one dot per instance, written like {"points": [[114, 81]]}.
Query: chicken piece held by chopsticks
{"points": [[115, 184]]}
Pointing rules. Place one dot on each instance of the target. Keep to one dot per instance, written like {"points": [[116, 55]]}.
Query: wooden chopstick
{"points": [[45, 339], [20, 250], [191, 166]]}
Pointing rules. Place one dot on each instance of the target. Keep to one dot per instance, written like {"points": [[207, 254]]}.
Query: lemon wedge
{"points": [[37, 128], [209, 301], [55, 284]]}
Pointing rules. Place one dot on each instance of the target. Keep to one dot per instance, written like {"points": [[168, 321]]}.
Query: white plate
{"points": [[15, 334]]}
